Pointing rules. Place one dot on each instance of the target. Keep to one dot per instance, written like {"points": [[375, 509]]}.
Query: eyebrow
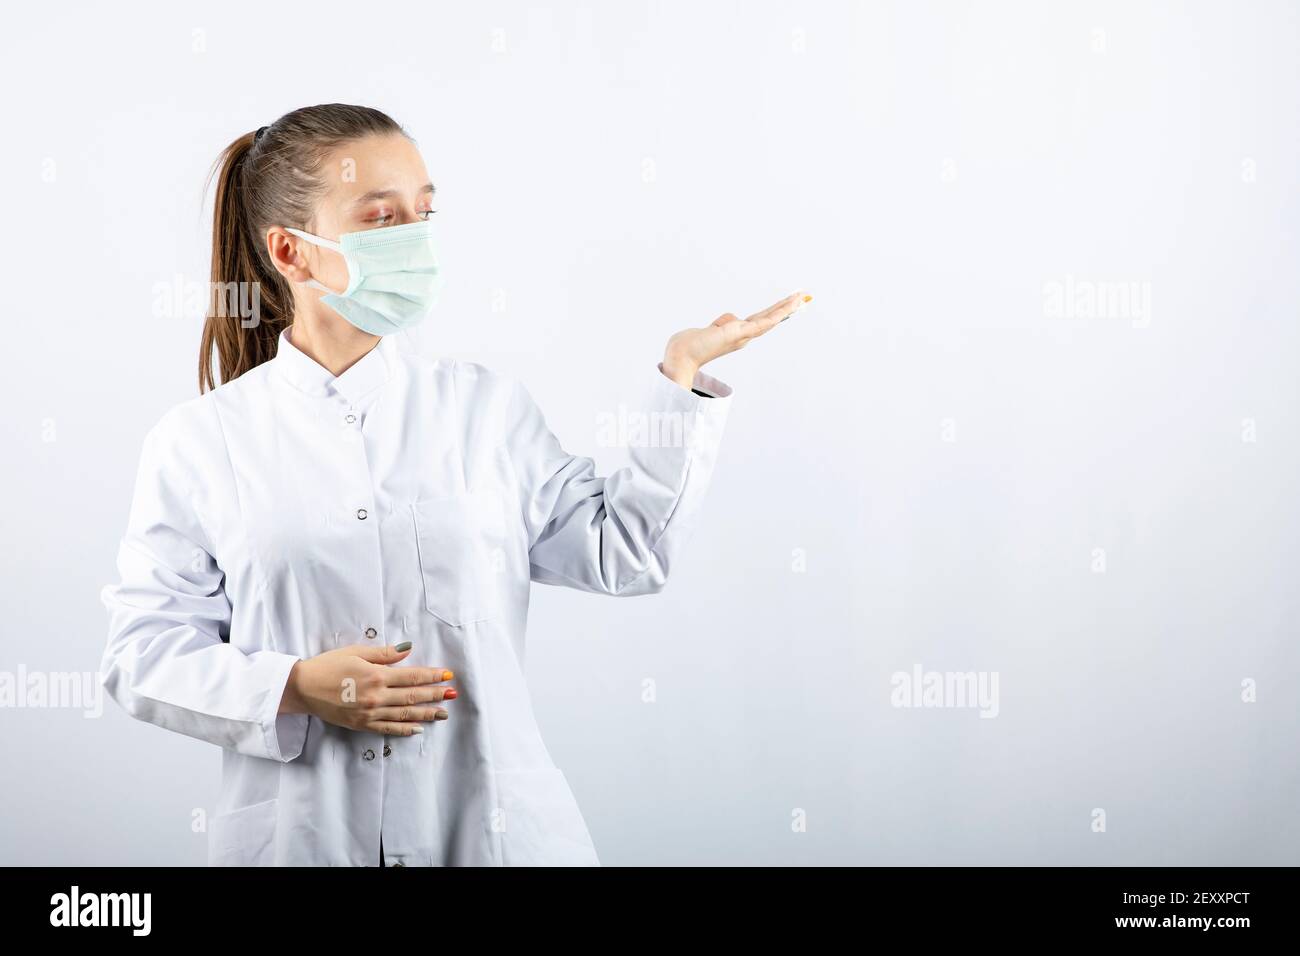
{"points": [[389, 193]]}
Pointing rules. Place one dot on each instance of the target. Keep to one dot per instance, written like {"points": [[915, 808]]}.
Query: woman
{"points": [[327, 564]]}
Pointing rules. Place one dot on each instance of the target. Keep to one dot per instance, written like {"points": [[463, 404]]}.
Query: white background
{"points": [[615, 172]]}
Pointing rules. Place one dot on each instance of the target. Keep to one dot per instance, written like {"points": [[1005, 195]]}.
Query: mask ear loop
{"points": [[327, 244]]}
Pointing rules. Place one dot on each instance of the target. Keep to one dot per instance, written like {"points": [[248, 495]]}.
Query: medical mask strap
{"points": [[318, 241], [314, 240]]}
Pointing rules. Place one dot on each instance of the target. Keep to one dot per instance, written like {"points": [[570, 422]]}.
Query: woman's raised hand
{"points": [[690, 349]]}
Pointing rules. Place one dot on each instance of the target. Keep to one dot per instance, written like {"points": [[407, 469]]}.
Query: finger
{"points": [[781, 309], [726, 319], [414, 676], [741, 332], [776, 308], [406, 715], [802, 303], [385, 654], [390, 728], [738, 333], [768, 319], [771, 318], [428, 693]]}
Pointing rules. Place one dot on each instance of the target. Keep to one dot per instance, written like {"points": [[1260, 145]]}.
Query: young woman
{"points": [[327, 564]]}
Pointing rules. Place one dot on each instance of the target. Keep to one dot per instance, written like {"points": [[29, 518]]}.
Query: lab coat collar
{"points": [[366, 374]]}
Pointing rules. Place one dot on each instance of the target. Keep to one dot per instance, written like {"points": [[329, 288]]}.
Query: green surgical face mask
{"points": [[393, 276]]}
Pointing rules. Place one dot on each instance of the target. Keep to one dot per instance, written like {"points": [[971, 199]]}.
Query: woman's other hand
{"points": [[354, 687]]}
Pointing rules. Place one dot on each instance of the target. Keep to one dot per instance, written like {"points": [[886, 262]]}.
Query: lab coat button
{"points": [[350, 419], [361, 514], [371, 633], [368, 755], [399, 864], [388, 751]]}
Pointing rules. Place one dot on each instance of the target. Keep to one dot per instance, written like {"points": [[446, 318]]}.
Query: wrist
{"points": [[680, 370], [291, 701]]}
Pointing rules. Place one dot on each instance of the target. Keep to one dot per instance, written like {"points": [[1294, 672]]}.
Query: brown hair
{"points": [[271, 177]]}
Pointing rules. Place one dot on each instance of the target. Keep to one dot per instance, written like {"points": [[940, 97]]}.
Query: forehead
{"points": [[373, 163]]}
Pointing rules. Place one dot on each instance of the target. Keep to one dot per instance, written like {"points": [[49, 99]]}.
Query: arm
{"points": [[168, 660], [620, 534]]}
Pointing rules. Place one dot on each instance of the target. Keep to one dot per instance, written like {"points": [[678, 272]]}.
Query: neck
{"points": [[336, 346]]}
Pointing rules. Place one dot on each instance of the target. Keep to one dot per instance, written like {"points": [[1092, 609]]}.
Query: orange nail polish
{"points": [[447, 675]]}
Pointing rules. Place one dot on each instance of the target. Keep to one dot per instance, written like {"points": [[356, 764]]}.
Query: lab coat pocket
{"points": [[539, 822], [244, 837], [461, 543]]}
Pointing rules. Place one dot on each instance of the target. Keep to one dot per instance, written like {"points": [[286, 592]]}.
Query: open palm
{"points": [[690, 349]]}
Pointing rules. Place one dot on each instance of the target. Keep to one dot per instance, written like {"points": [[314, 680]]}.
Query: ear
{"points": [[283, 248]]}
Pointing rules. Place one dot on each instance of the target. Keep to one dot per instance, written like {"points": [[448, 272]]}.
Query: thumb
{"points": [[386, 654]]}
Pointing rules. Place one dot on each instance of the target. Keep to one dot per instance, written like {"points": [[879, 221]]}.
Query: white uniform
{"points": [[289, 512]]}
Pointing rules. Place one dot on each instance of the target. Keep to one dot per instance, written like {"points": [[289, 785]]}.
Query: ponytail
{"points": [[272, 177], [249, 302]]}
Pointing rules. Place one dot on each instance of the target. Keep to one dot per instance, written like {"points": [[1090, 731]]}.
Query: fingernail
{"points": [[417, 729], [403, 647], [447, 675], [440, 715], [804, 299], [450, 694]]}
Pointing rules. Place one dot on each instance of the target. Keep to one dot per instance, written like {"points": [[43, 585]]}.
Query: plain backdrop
{"points": [[930, 468]]}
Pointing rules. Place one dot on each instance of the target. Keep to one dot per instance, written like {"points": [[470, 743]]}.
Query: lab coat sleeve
{"points": [[619, 534], [168, 660]]}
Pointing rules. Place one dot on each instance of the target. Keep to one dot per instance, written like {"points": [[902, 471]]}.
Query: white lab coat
{"points": [[289, 512]]}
